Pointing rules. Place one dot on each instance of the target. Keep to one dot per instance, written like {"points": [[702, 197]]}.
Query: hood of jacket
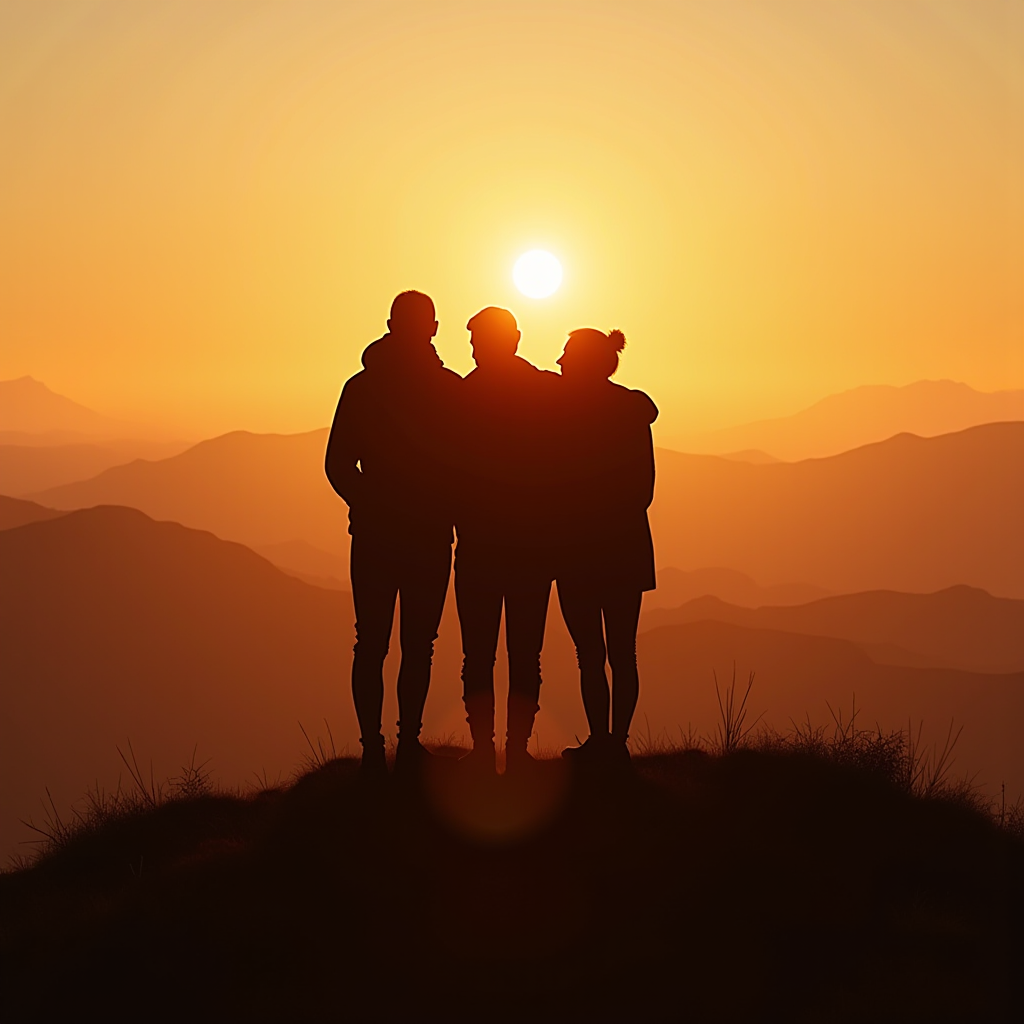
{"points": [[392, 356]]}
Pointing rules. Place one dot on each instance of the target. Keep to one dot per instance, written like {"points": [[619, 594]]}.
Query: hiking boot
{"points": [[518, 761], [480, 760], [595, 748], [374, 764], [617, 755], [411, 756]]}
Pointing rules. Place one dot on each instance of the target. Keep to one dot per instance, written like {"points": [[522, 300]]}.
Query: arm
{"points": [[649, 471], [343, 448], [637, 452]]}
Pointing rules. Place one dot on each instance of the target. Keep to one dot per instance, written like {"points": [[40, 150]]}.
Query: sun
{"points": [[537, 274]]}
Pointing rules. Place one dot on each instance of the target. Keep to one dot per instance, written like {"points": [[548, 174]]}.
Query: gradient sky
{"points": [[205, 208]]}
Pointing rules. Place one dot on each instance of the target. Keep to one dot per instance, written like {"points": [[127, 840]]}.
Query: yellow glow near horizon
{"points": [[537, 274], [208, 208]]}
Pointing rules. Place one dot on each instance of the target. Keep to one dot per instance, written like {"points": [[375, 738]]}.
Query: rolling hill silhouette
{"points": [[26, 469], [16, 512], [749, 886], [115, 626], [863, 416], [254, 488], [304, 561], [909, 514], [960, 627], [678, 586]]}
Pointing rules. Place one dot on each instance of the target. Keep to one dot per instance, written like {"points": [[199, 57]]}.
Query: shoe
{"points": [[518, 761], [374, 764], [411, 757], [595, 748], [479, 760], [617, 755]]}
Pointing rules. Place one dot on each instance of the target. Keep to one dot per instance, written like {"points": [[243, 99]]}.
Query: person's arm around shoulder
{"points": [[647, 413], [344, 445], [638, 412]]}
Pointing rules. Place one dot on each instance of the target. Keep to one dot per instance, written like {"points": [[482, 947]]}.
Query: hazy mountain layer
{"points": [[910, 514], [961, 627], [864, 415], [677, 586], [254, 488], [796, 675], [303, 560], [16, 512], [26, 469], [29, 405], [114, 626]]}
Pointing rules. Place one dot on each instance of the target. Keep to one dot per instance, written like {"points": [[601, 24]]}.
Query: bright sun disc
{"points": [[537, 274]]}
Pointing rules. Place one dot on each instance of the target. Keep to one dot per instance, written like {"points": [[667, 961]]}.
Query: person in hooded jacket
{"points": [[385, 458], [605, 560]]}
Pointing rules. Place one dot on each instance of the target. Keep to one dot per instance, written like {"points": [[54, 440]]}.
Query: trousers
{"points": [[417, 575], [486, 580], [602, 621]]}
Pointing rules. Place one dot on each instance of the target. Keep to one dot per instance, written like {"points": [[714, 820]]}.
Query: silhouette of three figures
{"points": [[543, 477]]}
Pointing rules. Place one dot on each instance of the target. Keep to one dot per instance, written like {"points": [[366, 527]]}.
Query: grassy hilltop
{"points": [[798, 881]]}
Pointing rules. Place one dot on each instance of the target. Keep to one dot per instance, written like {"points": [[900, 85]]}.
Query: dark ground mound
{"points": [[747, 887]]}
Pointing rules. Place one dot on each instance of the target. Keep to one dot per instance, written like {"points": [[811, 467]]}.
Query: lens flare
{"points": [[537, 274]]}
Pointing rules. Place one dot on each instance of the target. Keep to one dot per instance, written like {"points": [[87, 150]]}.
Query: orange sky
{"points": [[205, 208]]}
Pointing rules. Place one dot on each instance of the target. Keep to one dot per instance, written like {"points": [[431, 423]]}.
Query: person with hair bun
{"points": [[606, 554]]}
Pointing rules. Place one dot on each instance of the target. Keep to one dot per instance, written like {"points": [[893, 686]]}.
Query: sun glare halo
{"points": [[537, 274]]}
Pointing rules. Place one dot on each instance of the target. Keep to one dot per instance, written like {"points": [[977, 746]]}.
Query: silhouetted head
{"points": [[591, 355], [412, 317], [494, 335]]}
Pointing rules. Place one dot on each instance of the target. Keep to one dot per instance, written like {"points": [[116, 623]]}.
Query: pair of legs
{"points": [[602, 622], [381, 572], [485, 581]]}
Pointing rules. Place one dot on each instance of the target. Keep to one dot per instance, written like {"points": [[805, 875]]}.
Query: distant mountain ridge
{"points": [[27, 405], [113, 626], [26, 469], [255, 488], [865, 415], [909, 514], [15, 512], [961, 627], [678, 586]]}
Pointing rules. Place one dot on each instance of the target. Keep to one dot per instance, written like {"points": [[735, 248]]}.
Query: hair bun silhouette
{"points": [[617, 339]]}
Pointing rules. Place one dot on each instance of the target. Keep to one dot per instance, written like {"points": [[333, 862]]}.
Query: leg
{"points": [[423, 588], [621, 618], [478, 597], [374, 589], [526, 609], [581, 609]]}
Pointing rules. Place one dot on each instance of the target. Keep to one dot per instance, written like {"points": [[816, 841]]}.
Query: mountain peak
{"points": [[27, 405]]}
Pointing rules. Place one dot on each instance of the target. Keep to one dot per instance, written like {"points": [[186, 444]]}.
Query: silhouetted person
{"points": [[383, 458], [606, 559], [503, 557]]}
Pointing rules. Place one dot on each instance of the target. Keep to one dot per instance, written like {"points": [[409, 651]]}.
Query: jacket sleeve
{"points": [[638, 452], [344, 447], [650, 414]]}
